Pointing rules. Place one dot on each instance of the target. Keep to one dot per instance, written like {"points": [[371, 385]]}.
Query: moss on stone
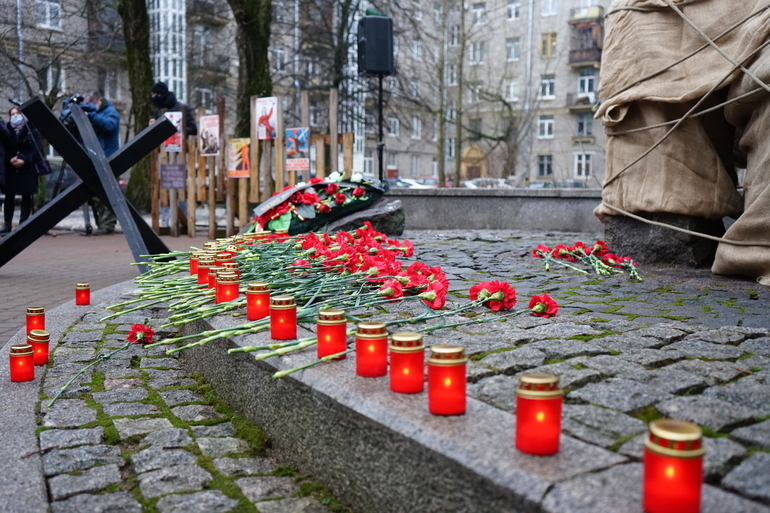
{"points": [[323, 495], [251, 433], [648, 414], [620, 441]]}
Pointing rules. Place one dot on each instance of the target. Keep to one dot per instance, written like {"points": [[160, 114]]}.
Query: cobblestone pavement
{"points": [[138, 432]]}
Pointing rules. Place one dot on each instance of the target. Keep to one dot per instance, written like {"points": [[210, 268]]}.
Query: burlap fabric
{"points": [[691, 172]]}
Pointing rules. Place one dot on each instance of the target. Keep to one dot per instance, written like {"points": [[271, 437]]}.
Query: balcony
{"points": [[585, 47], [583, 102], [107, 42], [586, 14], [585, 57], [206, 12]]}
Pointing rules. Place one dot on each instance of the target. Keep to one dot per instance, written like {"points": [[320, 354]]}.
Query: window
{"points": [[395, 46], [435, 130], [586, 82], [479, 13], [278, 10], [393, 86], [582, 165], [548, 47], [205, 99], [434, 92], [585, 124], [279, 57], [417, 9], [548, 87], [511, 90], [477, 52], [549, 7], [512, 48], [438, 11], [475, 90], [416, 127], [434, 166], [513, 11], [416, 166], [368, 162], [370, 123], [416, 50], [312, 68], [544, 165], [392, 160], [450, 147], [545, 127], [452, 75], [202, 47], [414, 89], [393, 127], [53, 77], [108, 83], [314, 115], [474, 129], [49, 14], [451, 111], [454, 35]]}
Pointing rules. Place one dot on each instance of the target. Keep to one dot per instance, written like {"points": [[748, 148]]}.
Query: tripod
{"points": [[57, 188]]}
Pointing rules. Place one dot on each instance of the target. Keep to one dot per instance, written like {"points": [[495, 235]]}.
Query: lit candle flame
{"points": [[670, 472], [540, 416], [447, 382], [406, 371]]}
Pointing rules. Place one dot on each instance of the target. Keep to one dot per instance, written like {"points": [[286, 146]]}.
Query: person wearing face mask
{"points": [[165, 100], [20, 142]]}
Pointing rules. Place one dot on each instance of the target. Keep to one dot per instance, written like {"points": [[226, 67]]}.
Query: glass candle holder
{"points": [[194, 257], [332, 333], [210, 245], [35, 318], [281, 235], [232, 267], [227, 287], [22, 363], [39, 340], [257, 301], [673, 467], [538, 414], [222, 258], [407, 363], [283, 318], [213, 273], [204, 266], [371, 349], [446, 380], [82, 294]]}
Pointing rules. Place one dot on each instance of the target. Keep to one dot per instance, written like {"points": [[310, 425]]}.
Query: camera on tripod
{"points": [[66, 112]]}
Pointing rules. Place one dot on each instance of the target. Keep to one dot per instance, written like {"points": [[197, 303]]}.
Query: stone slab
{"points": [[120, 395], [628, 342], [65, 438], [218, 447], [719, 336], [267, 487], [569, 376], [511, 362], [751, 477], [298, 505], [180, 478], [620, 394], [715, 373], [172, 363], [91, 480], [223, 429], [173, 437], [752, 392], [757, 435], [174, 397], [155, 457], [209, 501], [700, 349], [120, 502], [59, 461], [243, 466], [706, 411], [669, 380], [131, 427], [128, 409], [757, 346], [74, 416], [195, 412], [600, 426]]}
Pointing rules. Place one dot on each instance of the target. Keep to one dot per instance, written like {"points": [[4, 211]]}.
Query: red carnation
{"points": [[541, 251], [599, 248], [434, 296], [339, 198], [392, 289], [543, 306], [140, 334], [358, 192], [498, 295]]}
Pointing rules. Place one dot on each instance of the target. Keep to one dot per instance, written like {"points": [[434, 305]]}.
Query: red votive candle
{"points": [[213, 273], [331, 329], [538, 414], [22, 363], [232, 267], [257, 301], [673, 467], [204, 266], [281, 235], [222, 257], [446, 380], [371, 350], [227, 287], [194, 257], [283, 318], [82, 294], [39, 340], [35, 318], [407, 363]]}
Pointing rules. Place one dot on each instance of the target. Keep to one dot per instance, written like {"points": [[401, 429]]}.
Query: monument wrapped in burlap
{"points": [[693, 171]]}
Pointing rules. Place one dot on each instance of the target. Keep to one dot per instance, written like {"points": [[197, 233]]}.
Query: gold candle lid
{"points": [[210, 245], [282, 302], [227, 277], [230, 265], [35, 310], [258, 287], [677, 438], [371, 330], [21, 350], [205, 262], [445, 354], [331, 316], [406, 342], [539, 386], [39, 336], [258, 235], [223, 256], [82, 286]]}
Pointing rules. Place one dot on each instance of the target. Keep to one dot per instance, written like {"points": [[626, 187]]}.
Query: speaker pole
{"points": [[380, 144]]}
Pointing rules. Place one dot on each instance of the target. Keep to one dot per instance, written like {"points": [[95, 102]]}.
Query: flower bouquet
{"points": [[307, 207]]}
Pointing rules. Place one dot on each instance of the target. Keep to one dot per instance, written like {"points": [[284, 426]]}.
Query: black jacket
{"points": [[22, 180], [168, 102]]}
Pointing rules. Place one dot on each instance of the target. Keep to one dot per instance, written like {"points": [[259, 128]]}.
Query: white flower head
{"points": [[357, 177], [300, 184], [336, 176]]}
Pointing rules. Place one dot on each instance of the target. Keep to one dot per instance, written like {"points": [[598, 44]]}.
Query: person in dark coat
{"points": [[165, 100], [21, 143], [105, 120]]}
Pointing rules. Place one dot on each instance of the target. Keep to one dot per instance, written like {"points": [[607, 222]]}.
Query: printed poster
{"points": [[298, 149], [172, 176], [208, 136], [174, 143], [238, 158], [267, 117]]}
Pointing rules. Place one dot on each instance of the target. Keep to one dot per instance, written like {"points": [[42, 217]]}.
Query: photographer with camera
{"points": [[20, 141], [105, 119]]}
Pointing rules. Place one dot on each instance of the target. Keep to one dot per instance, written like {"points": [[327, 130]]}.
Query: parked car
{"points": [[432, 181], [539, 185], [571, 184], [406, 183], [486, 183]]}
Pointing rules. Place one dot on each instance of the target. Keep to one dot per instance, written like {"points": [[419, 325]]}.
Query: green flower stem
{"points": [[123, 312], [283, 373], [100, 358]]}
